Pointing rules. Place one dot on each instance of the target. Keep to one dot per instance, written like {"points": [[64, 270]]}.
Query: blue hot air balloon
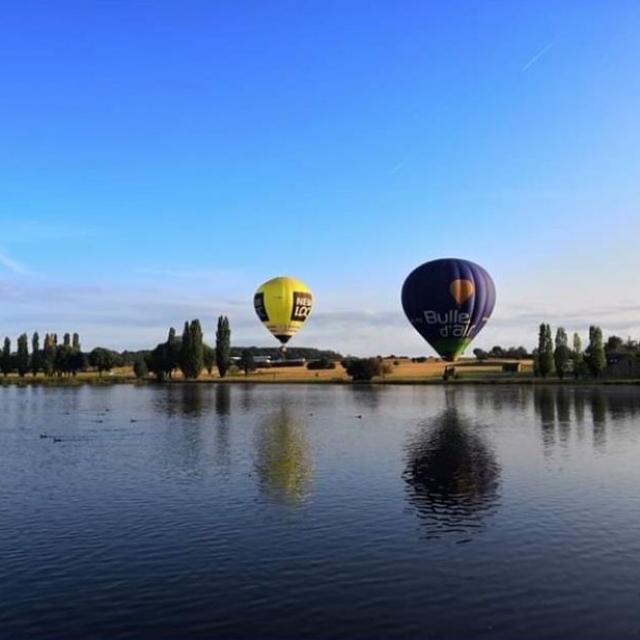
{"points": [[448, 301]]}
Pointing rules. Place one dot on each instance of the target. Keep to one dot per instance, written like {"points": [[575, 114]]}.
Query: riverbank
{"points": [[398, 371], [488, 380]]}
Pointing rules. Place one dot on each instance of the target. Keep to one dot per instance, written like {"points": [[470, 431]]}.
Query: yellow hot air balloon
{"points": [[283, 304]]}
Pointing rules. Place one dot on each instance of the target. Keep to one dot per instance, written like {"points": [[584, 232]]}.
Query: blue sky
{"points": [[158, 160]]}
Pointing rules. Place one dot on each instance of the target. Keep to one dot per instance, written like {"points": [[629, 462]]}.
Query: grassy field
{"points": [[401, 370]]}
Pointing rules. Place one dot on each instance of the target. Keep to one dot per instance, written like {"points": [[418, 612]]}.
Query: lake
{"points": [[311, 511]]}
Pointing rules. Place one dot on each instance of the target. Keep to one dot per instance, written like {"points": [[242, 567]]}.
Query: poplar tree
{"points": [[172, 353], [561, 355], [192, 350], [22, 359], [5, 361], [223, 346], [49, 354], [36, 356], [208, 358], [596, 356], [76, 342], [545, 351], [578, 356], [185, 350]]}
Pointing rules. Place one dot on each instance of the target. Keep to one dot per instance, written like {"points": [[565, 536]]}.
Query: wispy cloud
{"points": [[396, 167], [538, 55], [12, 265]]}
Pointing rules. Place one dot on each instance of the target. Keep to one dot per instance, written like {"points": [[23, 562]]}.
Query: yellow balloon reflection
{"points": [[283, 462]]}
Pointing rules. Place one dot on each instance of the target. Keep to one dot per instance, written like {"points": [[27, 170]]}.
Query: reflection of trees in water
{"points": [[367, 395], [563, 411], [515, 398], [246, 396], [452, 475], [184, 399], [223, 399], [544, 404], [283, 459], [599, 417], [223, 407], [566, 406]]}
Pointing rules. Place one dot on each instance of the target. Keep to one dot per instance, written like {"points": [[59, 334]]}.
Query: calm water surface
{"points": [[261, 511]]}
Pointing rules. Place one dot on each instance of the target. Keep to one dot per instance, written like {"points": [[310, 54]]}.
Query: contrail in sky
{"points": [[11, 265], [538, 55]]}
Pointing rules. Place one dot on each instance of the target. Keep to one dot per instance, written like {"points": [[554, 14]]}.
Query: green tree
{"points": [[208, 358], [75, 343], [247, 363], [172, 353], [577, 356], [614, 344], [545, 351], [192, 350], [103, 359], [223, 346], [363, 369], [49, 354], [66, 340], [562, 353], [140, 369], [5, 361], [596, 356], [77, 361], [158, 362], [36, 354], [22, 360]]}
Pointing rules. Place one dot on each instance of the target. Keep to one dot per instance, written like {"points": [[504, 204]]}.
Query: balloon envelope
{"points": [[448, 301], [283, 304]]}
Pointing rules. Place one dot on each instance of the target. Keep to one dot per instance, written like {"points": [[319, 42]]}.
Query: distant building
{"points": [[623, 365]]}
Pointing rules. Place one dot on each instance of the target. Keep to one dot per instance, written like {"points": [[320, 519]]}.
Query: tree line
{"points": [[557, 355], [53, 358], [189, 354]]}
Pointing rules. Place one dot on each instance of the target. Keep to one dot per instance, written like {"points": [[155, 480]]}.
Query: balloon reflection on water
{"points": [[283, 459], [452, 475]]}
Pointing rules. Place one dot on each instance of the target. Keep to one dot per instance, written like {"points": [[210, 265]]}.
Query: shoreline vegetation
{"points": [[189, 359], [405, 372]]}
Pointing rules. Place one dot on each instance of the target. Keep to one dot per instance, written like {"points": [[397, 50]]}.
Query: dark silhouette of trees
{"points": [[562, 353], [140, 369], [544, 360], [578, 357], [247, 363], [223, 346], [103, 359], [596, 356], [363, 369], [192, 350], [36, 354], [5, 360], [321, 363], [172, 355], [22, 359], [49, 355], [208, 358]]}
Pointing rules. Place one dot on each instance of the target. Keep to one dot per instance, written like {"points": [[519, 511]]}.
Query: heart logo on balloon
{"points": [[462, 290]]}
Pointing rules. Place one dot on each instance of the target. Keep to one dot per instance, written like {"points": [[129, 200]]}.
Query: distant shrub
{"points": [[420, 359], [363, 369], [140, 368], [322, 363]]}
